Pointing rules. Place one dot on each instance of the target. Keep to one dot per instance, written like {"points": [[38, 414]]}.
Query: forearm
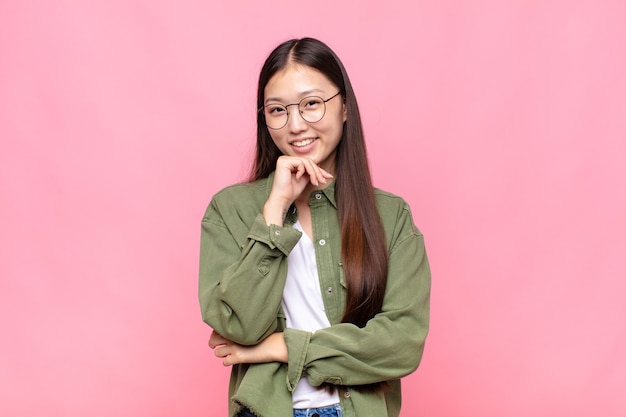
{"points": [[344, 354], [390, 346], [241, 288]]}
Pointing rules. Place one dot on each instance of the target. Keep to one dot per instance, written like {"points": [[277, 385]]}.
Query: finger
{"points": [[315, 173], [307, 167], [301, 170], [322, 175], [213, 341], [231, 359], [226, 354], [326, 174], [222, 351], [216, 340]]}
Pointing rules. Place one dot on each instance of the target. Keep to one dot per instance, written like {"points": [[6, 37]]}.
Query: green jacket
{"points": [[243, 267]]}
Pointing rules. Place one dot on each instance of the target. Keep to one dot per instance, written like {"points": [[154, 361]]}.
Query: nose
{"points": [[295, 122]]}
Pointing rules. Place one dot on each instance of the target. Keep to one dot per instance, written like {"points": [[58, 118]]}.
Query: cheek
{"points": [[277, 139], [336, 126]]}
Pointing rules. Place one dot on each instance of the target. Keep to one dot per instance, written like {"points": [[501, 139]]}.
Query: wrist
{"points": [[275, 211], [279, 348]]}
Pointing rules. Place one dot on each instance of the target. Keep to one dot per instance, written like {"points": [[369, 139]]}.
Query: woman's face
{"points": [[317, 141]]}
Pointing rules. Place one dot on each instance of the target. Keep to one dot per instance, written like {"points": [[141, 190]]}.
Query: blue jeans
{"points": [[330, 411]]}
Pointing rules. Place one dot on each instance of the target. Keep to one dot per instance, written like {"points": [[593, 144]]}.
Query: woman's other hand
{"points": [[272, 349]]}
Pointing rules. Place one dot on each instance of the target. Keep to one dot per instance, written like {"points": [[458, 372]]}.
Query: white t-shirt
{"points": [[304, 308]]}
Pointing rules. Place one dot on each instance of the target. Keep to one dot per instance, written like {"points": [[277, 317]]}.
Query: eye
{"points": [[275, 109], [311, 103]]}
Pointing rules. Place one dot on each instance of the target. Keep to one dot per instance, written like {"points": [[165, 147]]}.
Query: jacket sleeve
{"points": [[243, 267], [391, 344]]}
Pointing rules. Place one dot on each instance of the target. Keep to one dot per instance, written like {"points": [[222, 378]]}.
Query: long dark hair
{"points": [[363, 245]]}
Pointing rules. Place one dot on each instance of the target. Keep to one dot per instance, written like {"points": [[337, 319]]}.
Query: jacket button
{"points": [[346, 394], [319, 197], [322, 242]]}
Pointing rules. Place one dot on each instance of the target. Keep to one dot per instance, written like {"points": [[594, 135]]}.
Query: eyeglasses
{"points": [[312, 109]]}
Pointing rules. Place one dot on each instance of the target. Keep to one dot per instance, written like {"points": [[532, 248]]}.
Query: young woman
{"points": [[316, 285]]}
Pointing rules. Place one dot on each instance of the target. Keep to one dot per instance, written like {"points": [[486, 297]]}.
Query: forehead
{"points": [[295, 80]]}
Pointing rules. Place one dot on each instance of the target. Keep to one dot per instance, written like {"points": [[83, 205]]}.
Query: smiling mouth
{"points": [[303, 142]]}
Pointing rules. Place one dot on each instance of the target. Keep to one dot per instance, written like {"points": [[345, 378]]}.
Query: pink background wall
{"points": [[503, 123]]}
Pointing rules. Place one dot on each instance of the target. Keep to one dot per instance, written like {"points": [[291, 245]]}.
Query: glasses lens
{"points": [[275, 116], [312, 109]]}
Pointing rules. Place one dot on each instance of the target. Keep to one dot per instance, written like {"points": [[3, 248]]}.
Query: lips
{"points": [[303, 142]]}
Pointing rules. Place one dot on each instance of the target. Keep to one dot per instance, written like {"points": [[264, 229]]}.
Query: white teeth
{"points": [[304, 142]]}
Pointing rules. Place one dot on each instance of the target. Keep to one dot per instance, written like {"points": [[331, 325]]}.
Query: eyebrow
{"points": [[303, 94]]}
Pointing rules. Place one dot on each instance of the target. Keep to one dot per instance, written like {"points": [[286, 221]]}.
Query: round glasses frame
{"points": [[304, 112]]}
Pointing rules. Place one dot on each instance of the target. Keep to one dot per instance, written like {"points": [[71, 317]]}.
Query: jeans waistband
{"points": [[328, 411]]}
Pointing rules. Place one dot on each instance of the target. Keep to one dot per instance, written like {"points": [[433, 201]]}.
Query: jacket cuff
{"points": [[297, 345], [284, 238]]}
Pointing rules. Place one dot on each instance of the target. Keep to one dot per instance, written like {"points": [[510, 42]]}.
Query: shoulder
{"points": [[389, 199], [391, 205], [239, 199], [245, 189], [396, 215]]}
